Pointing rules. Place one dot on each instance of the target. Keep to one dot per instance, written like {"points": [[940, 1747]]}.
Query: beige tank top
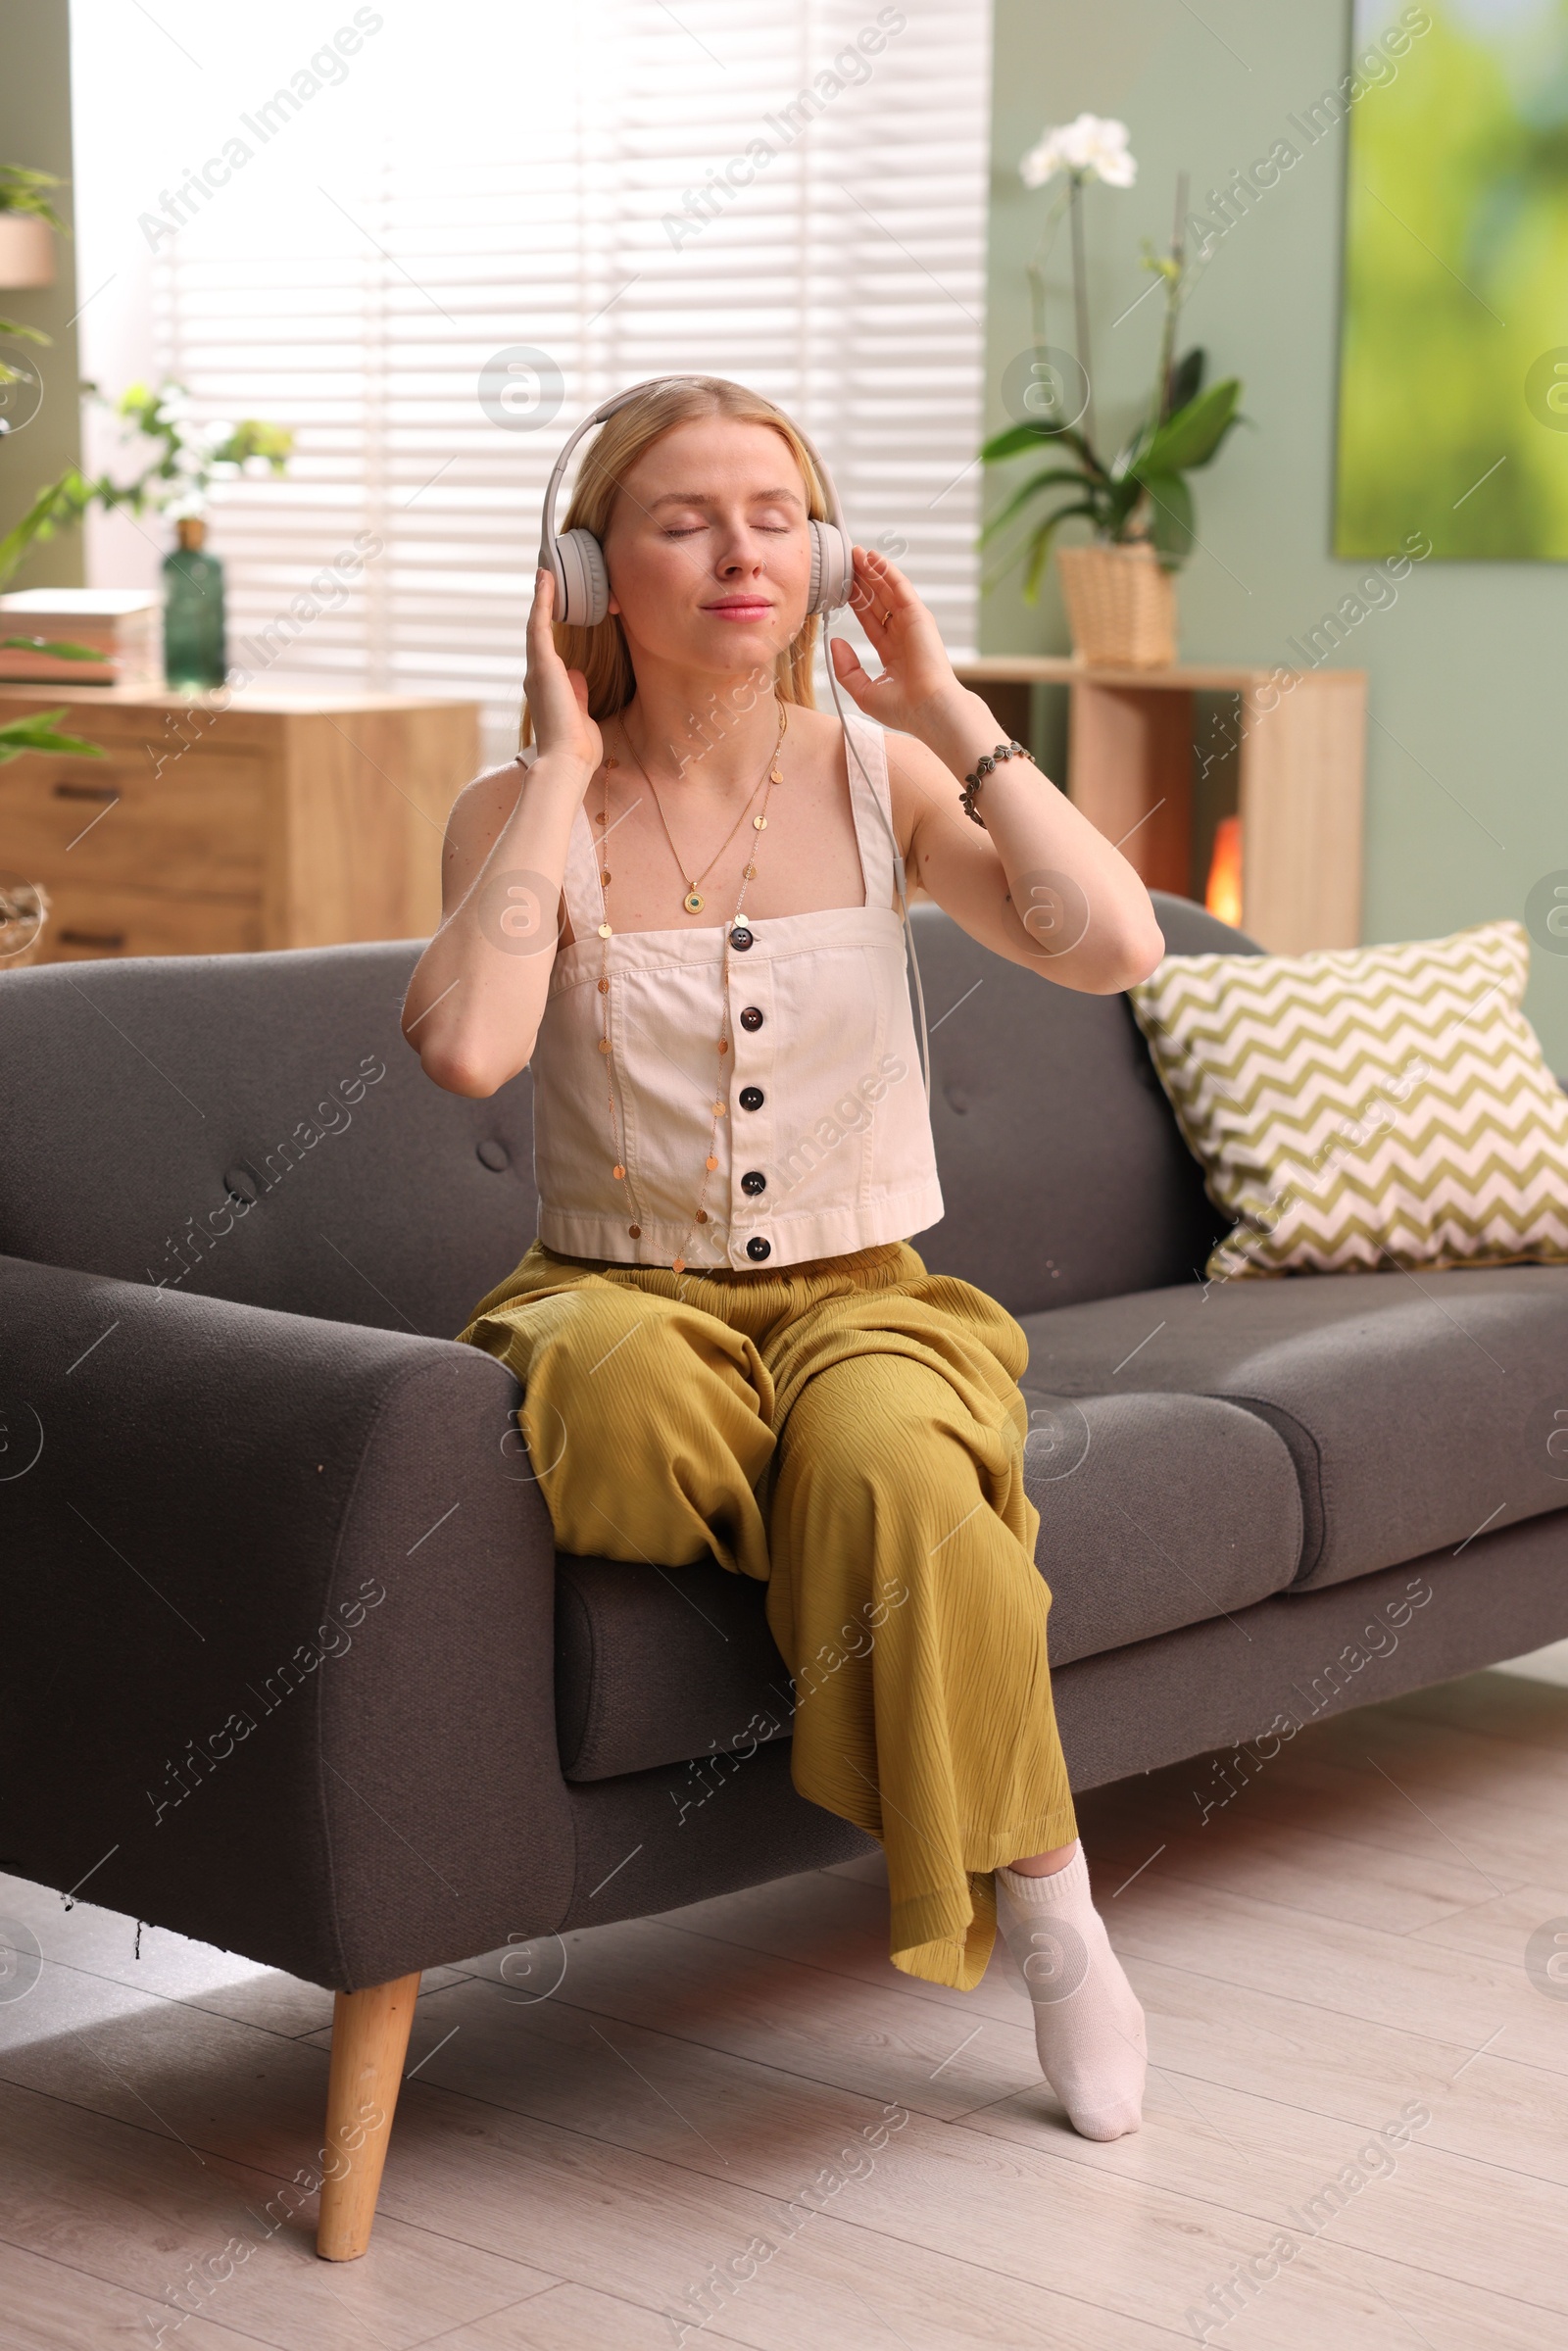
{"points": [[826, 1146]]}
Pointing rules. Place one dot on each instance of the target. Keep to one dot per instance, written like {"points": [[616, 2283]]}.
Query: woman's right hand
{"points": [[558, 697]]}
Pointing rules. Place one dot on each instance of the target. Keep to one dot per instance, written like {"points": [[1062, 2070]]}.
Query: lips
{"points": [[741, 608]]}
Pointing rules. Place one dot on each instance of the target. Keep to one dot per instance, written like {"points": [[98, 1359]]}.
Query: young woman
{"points": [[684, 912]]}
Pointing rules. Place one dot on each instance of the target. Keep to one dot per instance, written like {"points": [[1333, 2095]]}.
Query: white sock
{"points": [[1089, 2026]]}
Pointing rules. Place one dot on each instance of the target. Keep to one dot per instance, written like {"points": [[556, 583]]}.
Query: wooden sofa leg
{"points": [[370, 2042]]}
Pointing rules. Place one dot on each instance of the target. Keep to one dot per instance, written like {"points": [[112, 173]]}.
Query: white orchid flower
{"points": [[1094, 147]]}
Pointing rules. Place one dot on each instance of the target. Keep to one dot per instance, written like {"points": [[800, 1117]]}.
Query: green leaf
{"points": [[39, 731], [1120, 503], [1128, 455], [136, 401], [1040, 547], [252, 438], [24, 191], [1012, 441], [1019, 439], [1015, 439], [20, 334], [1187, 378], [59, 503], [1036, 482], [1172, 531], [1193, 433], [56, 653]]}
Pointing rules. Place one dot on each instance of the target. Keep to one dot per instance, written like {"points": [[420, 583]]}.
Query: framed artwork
{"points": [[1453, 354]]}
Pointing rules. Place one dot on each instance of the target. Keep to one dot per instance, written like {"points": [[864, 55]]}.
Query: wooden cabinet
{"points": [[278, 820], [1301, 742]]}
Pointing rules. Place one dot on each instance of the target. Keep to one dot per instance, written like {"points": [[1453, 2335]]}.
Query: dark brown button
{"points": [[493, 1156], [240, 1183], [740, 938], [753, 1181], [758, 1247], [751, 1097], [751, 1019]]}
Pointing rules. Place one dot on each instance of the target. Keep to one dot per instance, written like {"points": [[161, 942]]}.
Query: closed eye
{"points": [[689, 530]]}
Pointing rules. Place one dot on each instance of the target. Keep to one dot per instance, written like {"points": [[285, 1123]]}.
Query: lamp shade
{"points": [[26, 251]]}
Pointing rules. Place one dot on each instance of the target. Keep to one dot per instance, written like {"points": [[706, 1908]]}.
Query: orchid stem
{"points": [[1173, 302], [1080, 303], [1037, 302]]}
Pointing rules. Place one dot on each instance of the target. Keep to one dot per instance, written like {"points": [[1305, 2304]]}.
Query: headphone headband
{"points": [[577, 560]]}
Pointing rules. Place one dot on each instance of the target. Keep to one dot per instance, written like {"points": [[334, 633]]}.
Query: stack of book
{"points": [[121, 628]]}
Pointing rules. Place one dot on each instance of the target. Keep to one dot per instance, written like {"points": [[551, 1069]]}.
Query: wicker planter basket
{"points": [[1121, 607], [23, 913]]}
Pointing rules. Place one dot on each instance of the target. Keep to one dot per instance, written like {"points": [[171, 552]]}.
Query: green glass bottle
{"points": [[195, 642]]}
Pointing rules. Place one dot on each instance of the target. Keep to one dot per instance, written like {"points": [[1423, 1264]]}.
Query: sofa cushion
{"points": [[1419, 1409], [1155, 1511], [1367, 1107]]}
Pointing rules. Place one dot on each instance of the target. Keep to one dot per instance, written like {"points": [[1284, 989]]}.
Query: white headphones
{"points": [[577, 560]]}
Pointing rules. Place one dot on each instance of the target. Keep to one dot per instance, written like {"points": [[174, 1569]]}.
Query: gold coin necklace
{"points": [[694, 901], [733, 930]]}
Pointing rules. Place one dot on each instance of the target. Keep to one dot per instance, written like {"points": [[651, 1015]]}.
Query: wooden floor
{"points": [[1344, 1938]]}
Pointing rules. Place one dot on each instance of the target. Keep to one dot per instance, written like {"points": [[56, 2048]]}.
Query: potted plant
{"points": [[175, 481], [1118, 590], [26, 219]]}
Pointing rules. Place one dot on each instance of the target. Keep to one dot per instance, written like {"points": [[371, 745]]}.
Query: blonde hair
{"points": [[601, 652]]}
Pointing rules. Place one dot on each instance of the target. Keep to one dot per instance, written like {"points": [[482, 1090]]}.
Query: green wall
{"points": [[1466, 806], [35, 129]]}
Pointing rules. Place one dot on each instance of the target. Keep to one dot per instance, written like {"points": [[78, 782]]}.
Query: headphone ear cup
{"points": [[832, 567], [583, 584]]}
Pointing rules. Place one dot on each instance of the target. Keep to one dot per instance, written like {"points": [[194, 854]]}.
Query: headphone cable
{"points": [[899, 875]]}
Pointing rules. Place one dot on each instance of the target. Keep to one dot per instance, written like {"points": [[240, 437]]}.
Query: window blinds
{"points": [[482, 220]]}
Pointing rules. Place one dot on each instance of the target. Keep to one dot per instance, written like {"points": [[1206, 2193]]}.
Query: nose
{"points": [[737, 561], [741, 553]]}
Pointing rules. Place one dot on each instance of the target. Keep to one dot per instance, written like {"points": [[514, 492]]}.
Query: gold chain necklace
{"points": [[694, 901], [736, 936]]}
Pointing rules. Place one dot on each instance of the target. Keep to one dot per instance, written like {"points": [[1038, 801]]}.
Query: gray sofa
{"points": [[291, 1664]]}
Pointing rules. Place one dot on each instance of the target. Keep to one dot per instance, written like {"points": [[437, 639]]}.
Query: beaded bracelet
{"points": [[983, 768]]}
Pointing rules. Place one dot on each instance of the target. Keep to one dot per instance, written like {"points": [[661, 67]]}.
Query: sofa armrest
{"points": [[278, 1628]]}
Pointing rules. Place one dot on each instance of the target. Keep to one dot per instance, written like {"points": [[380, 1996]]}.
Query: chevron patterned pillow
{"points": [[1365, 1107]]}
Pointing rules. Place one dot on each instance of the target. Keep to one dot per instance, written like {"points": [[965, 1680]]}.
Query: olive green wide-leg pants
{"points": [[848, 1431]]}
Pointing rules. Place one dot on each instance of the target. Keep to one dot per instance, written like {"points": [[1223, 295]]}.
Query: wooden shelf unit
{"points": [[278, 820], [1302, 757]]}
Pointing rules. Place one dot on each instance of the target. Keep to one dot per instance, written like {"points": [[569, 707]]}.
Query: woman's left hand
{"points": [[915, 669]]}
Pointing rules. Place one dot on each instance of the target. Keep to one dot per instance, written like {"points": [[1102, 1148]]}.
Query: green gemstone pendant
{"points": [[693, 902]]}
